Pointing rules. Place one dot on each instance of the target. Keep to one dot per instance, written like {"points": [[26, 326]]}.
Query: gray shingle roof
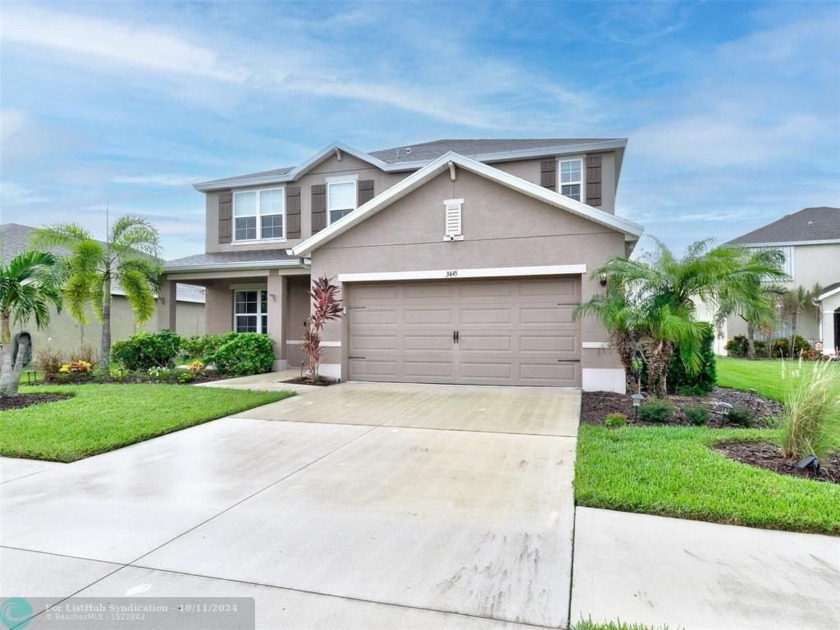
{"points": [[428, 151], [15, 239], [416, 155], [810, 224], [221, 259]]}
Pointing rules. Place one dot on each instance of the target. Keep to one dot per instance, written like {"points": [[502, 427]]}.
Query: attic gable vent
{"points": [[452, 220]]}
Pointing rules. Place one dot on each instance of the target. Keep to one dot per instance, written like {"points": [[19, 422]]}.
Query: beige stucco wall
{"points": [[816, 264], [528, 170], [502, 228], [288, 300], [331, 167], [67, 335]]}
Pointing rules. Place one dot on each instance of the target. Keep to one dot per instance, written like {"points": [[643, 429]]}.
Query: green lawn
{"points": [[588, 624], [102, 418], [672, 472], [770, 378]]}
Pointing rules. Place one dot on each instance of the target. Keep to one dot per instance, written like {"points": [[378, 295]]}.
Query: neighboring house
{"points": [[460, 261], [67, 335], [810, 240]]}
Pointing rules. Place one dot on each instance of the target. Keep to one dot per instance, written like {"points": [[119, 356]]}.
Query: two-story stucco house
{"points": [[460, 261], [810, 240]]}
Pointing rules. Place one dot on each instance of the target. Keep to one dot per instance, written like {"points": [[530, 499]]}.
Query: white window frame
{"points": [[258, 215], [789, 266], [581, 182], [333, 181], [260, 314]]}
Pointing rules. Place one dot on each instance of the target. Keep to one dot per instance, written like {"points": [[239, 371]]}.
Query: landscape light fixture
{"points": [[726, 408], [637, 401], [812, 463]]}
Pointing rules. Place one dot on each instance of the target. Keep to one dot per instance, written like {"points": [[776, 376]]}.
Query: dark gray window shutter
{"points": [[548, 174], [364, 191], [593, 180], [225, 216], [319, 207], [292, 211]]}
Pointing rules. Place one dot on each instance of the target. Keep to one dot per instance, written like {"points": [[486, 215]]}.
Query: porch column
{"points": [[167, 309], [278, 317]]}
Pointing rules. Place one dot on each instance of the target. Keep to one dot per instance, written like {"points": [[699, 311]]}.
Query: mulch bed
{"points": [[27, 400], [596, 405], [769, 456]]}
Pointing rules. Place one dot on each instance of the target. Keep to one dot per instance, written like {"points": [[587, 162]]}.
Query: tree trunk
{"points": [[625, 353], [105, 345], [13, 385], [660, 355], [5, 368], [750, 341]]}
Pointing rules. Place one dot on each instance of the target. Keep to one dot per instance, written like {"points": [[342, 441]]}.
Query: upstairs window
{"points": [[571, 179], [259, 214], [341, 199], [250, 311]]}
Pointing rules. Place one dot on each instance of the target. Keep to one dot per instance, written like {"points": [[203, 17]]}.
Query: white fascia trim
{"points": [[830, 241], [595, 345], [502, 156], [632, 231], [324, 344], [251, 265], [828, 294], [455, 274]]}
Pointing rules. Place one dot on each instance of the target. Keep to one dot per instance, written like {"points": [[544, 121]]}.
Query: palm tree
{"points": [[760, 313], [794, 302], [128, 257], [29, 286], [622, 321], [665, 289]]}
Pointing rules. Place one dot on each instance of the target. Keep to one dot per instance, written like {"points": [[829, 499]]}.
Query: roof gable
{"points": [[632, 231]]}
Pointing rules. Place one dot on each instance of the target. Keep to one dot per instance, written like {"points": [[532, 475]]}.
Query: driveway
{"points": [[353, 506]]}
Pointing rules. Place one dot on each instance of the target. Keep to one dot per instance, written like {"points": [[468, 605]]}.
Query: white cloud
{"points": [[13, 194], [156, 180], [13, 122], [111, 40]]}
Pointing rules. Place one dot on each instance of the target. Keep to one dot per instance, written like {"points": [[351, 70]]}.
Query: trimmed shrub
{"points": [[697, 415], [741, 415], [615, 420], [738, 346], [145, 351], [243, 354], [656, 411], [780, 348], [199, 348]]}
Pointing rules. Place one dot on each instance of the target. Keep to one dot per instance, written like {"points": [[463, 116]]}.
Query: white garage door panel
{"points": [[511, 331]]}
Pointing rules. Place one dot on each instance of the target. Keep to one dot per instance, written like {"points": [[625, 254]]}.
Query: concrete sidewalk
{"points": [[695, 575]]}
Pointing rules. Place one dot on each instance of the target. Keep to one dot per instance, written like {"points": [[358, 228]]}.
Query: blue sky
{"points": [[732, 109]]}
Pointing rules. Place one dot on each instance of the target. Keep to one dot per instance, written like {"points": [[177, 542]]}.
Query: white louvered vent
{"points": [[452, 227]]}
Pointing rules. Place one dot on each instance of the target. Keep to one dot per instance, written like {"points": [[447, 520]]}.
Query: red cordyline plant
{"points": [[326, 307]]}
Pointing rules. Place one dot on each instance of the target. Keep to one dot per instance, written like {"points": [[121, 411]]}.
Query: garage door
{"points": [[478, 332]]}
